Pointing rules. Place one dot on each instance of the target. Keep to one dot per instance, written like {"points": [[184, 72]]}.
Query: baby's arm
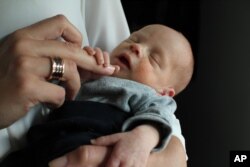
{"points": [[130, 148]]}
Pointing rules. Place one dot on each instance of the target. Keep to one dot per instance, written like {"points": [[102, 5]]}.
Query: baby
{"points": [[154, 64], [155, 57]]}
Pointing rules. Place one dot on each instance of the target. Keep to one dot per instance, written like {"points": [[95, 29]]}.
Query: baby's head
{"points": [[157, 56]]}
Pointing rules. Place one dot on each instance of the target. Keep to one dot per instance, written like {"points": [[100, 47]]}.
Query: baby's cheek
{"points": [[144, 74]]}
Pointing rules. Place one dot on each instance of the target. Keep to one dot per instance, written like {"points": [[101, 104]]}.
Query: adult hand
{"points": [[25, 66], [89, 155], [96, 156], [131, 148]]}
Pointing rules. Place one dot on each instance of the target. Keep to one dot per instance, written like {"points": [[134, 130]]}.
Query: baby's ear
{"points": [[168, 92]]}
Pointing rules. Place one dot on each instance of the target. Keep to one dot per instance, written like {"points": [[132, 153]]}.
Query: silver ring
{"points": [[57, 69]]}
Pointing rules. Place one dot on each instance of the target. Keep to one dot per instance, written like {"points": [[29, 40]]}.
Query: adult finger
{"points": [[89, 155], [46, 92], [42, 67], [53, 28], [51, 48]]}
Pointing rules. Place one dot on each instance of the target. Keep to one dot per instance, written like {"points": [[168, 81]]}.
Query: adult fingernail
{"points": [[59, 162]]}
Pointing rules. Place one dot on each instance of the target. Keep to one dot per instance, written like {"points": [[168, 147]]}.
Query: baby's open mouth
{"points": [[124, 60]]}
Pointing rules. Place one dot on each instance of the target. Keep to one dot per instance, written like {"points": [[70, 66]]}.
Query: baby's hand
{"points": [[102, 57], [130, 148]]}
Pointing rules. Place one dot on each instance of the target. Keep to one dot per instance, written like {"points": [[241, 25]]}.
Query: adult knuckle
{"points": [[61, 22], [24, 85], [20, 70], [61, 18], [18, 33], [20, 46], [20, 65]]}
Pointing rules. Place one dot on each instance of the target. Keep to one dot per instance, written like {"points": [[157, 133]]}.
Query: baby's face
{"points": [[146, 56]]}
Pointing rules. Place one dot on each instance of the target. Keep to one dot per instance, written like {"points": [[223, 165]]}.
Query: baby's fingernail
{"points": [[110, 68], [92, 141]]}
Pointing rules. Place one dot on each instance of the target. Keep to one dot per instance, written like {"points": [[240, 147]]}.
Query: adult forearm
{"points": [[172, 156], [90, 155]]}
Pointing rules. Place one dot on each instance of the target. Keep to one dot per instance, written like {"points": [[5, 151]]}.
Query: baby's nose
{"points": [[136, 49]]}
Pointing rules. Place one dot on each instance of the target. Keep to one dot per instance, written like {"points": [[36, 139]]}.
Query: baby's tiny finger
{"points": [[106, 59], [117, 68], [89, 50], [99, 56]]}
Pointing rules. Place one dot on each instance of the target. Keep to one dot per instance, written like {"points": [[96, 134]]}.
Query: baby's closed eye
{"points": [[155, 60]]}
